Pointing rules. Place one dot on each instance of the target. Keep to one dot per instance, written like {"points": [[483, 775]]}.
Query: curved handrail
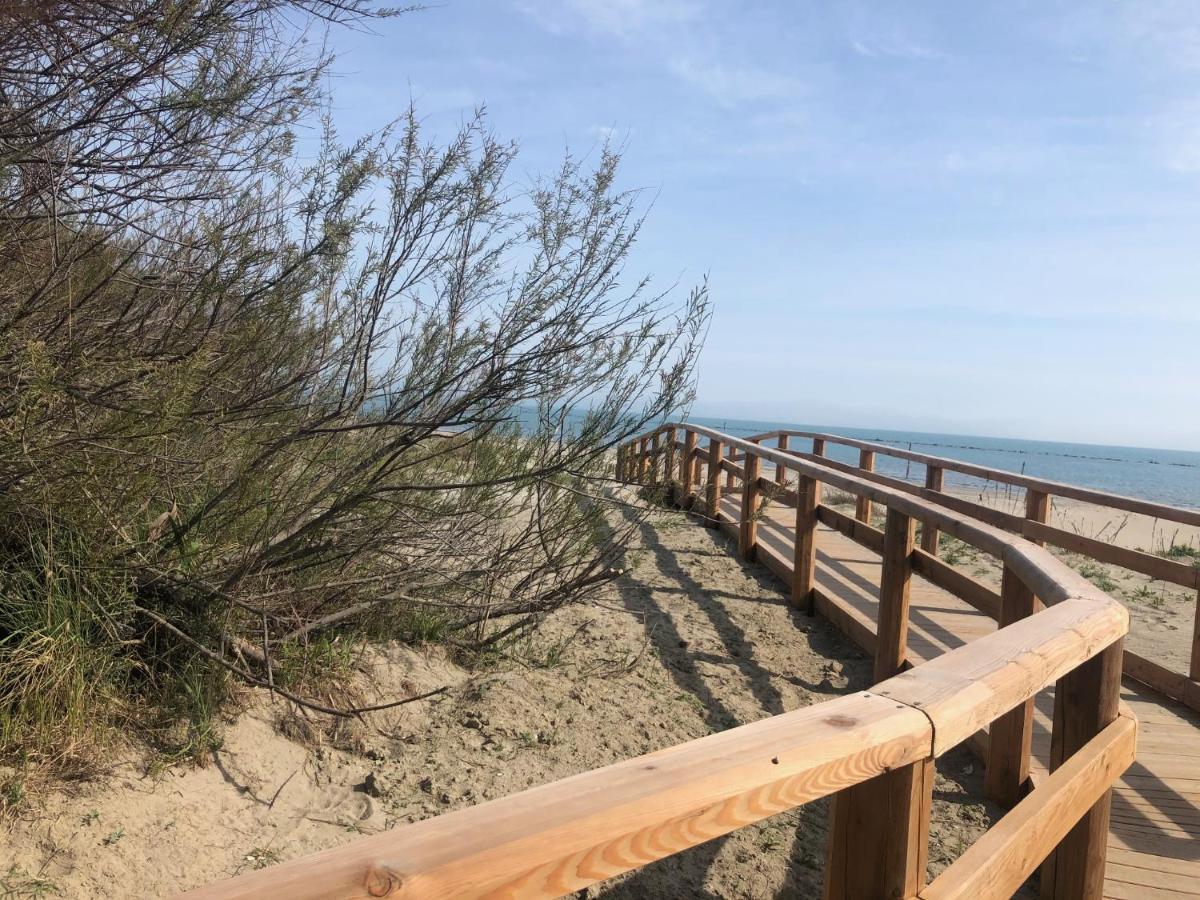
{"points": [[560, 837], [1179, 514], [1034, 524]]}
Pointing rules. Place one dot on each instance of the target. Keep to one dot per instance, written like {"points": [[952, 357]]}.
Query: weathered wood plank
{"points": [[894, 588], [715, 457], [862, 508], [748, 532], [1194, 667], [859, 532], [690, 463], [997, 864], [1034, 531], [1174, 685], [1011, 735], [780, 468], [962, 692], [879, 836], [808, 503], [934, 479], [1086, 702], [561, 837], [1002, 476]]}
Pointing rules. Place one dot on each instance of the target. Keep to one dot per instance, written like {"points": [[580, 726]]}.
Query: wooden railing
{"points": [[873, 751], [1034, 525]]}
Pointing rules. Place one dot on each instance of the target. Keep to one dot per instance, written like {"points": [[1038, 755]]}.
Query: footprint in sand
{"points": [[332, 806]]}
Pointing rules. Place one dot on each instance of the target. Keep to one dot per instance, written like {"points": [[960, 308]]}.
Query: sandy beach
{"points": [[687, 641]]}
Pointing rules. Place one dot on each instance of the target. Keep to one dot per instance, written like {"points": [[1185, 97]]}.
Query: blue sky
{"points": [[969, 217]]}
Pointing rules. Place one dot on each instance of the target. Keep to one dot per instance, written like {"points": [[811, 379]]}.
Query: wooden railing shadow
{"points": [[1148, 835]]}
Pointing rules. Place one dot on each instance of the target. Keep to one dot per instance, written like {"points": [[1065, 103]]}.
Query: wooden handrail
{"points": [[873, 750], [1034, 525], [1122, 502], [959, 700], [996, 865], [563, 836]]}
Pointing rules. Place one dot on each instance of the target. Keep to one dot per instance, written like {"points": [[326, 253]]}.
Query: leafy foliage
{"points": [[246, 402]]}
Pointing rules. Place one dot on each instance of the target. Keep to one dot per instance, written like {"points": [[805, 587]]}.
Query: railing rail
{"points": [[873, 751], [1034, 525]]}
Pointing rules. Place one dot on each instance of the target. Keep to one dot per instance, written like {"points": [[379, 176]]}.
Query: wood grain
{"points": [[997, 864], [563, 836], [894, 588], [1010, 738], [862, 508]]}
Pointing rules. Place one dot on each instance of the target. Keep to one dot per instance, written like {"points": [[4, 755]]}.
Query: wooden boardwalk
{"points": [[1154, 844]]}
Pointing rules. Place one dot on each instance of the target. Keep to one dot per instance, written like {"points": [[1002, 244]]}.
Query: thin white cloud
{"points": [[733, 85], [608, 18], [893, 47]]}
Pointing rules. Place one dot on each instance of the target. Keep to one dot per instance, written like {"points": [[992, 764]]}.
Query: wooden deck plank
{"points": [[1154, 844]]}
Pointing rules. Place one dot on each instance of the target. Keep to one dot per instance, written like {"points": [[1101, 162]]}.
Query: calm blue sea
{"points": [[1164, 476]]}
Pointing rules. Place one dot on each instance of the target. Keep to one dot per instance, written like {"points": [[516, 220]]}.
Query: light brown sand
{"points": [[689, 641]]}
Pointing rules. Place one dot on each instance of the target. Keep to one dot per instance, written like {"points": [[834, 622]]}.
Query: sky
{"points": [[978, 218]]}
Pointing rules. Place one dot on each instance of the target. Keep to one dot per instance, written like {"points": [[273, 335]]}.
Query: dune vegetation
{"points": [[258, 403]]}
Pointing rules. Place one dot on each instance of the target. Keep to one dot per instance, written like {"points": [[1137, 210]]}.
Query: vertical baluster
{"points": [[1037, 509], [934, 478], [804, 562], [669, 464], [1085, 703], [894, 583], [862, 510], [1194, 668], [688, 472], [879, 836], [748, 532], [879, 830], [1010, 736], [780, 468], [715, 453]]}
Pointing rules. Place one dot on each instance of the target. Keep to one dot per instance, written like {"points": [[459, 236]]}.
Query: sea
{"points": [[1163, 476]]}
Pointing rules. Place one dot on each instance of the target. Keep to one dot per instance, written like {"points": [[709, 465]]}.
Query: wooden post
{"points": [[866, 462], [643, 459], [748, 532], [1037, 508], [780, 469], [1085, 702], [879, 836], [1010, 736], [654, 451], [620, 462], [818, 446], [934, 478], [804, 562], [669, 463], [688, 467], [729, 475], [1194, 668], [894, 582], [715, 452]]}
